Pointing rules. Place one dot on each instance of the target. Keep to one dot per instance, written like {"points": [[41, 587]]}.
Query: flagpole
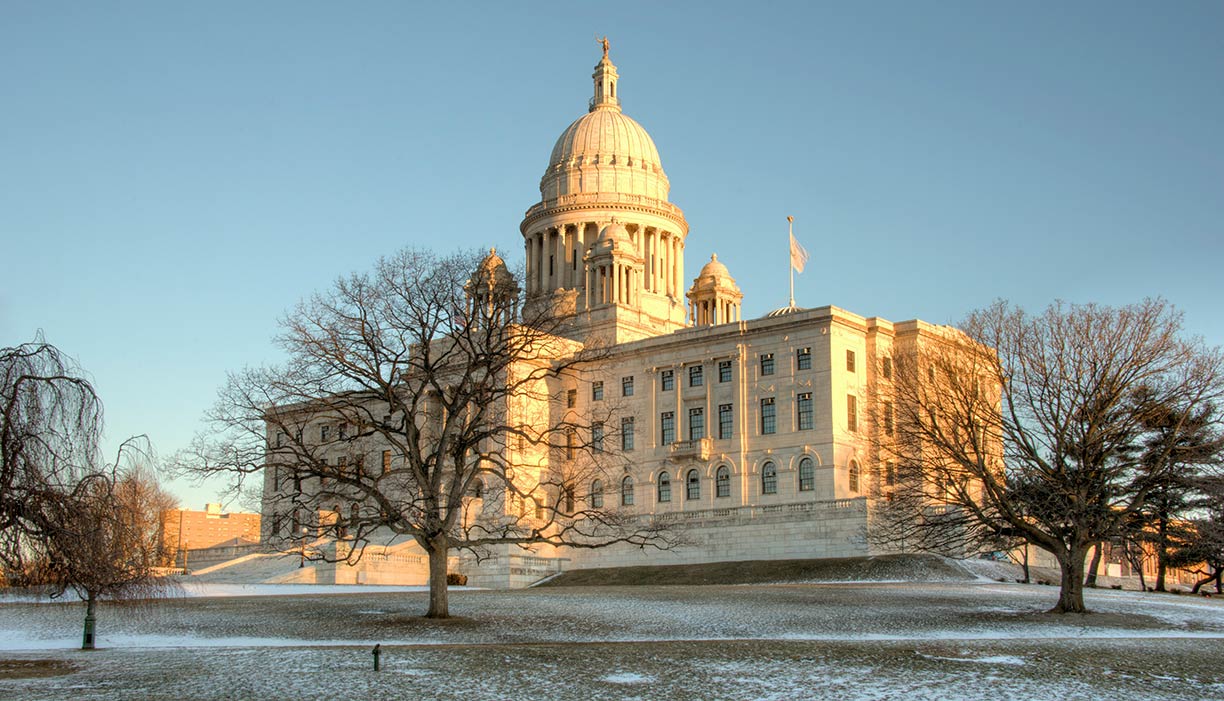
{"points": [[790, 226]]}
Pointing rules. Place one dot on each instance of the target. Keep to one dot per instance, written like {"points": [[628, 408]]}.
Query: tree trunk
{"points": [[1091, 579], [1162, 551], [1027, 578], [1071, 593], [87, 641], [439, 606]]}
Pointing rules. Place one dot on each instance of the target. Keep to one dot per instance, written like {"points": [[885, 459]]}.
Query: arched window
{"points": [[627, 491], [597, 494], [477, 489], [807, 475], [722, 482], [852, 478], [693, 485], [664, 487], [769, 479]]}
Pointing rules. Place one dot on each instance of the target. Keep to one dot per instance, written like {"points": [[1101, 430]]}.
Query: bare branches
{"points": [[1042, 427], [419, 401]]}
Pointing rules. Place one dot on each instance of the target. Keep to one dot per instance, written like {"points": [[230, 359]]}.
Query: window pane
{"points": [[804, 410], [597, 391], [627, 492], [849, 361], [694, 485], [696, 378], [725, 421], [807, 475], [664, 487], [627, 386], [769, 422], [597, 494], [571, 398], [696, 424], [769, 479], [597, 437], [668, 380], [767, 364], [804, 359], [851, 413], [724, 371], [723, 482], [627, 433], [667, 428]]}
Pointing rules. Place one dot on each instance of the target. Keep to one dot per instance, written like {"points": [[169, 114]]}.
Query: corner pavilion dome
{"points": [[604, 151]]}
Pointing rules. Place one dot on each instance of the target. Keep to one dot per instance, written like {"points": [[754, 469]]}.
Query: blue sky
{"points": [[173, 176]]}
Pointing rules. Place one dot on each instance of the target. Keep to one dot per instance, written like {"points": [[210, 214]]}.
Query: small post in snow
{"points": [[377, 652]]}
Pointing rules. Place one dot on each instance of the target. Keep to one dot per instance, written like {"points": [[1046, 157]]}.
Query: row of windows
{"points": [[722, 483], [696, 373], [805, 420]]}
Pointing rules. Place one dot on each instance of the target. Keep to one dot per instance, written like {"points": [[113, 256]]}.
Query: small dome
{"points": [[790, 309], [492, 271], [714, 269], [615, 232]]}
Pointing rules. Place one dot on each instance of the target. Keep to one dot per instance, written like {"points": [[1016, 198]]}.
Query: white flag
{"points": [[799, 257]]}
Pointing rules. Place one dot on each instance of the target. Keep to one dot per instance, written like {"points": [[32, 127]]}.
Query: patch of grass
{"points": [[32, 669], [918, 568]]}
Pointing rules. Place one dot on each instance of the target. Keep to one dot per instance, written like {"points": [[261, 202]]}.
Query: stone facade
{"points": [[753, 434]]}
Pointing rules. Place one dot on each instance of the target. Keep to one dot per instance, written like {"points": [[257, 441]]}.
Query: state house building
{"points": [[755, 433]]}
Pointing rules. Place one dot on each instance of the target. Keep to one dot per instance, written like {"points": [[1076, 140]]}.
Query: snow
{"points": [[627, 678], [876, 641]]}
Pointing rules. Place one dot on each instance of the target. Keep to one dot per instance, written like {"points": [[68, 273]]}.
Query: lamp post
{"points": [[302, 560]]}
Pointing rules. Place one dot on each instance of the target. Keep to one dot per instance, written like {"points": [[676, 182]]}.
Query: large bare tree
{"points": [[50, 427], [66, 518], [1039, 428], [421, 400]]}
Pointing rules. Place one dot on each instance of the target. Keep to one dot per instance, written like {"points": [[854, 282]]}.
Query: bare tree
{"points": [[1035, 426], [420, 400], [106, 543], [50, 426], [1198, 543]]}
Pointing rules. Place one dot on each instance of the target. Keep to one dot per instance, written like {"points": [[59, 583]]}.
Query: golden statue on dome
{"points": [[604, 43]]}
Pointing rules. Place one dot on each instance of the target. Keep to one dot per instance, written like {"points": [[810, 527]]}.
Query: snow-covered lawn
{"points": [[846, 641]]}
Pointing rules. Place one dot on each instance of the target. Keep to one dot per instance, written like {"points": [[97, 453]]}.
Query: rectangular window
{"points": [[849, 361], [803, 409], [696, 424], [769, 417], [767, 364], [890, 474], [627, 386], [803, 359], [627, 433], [888, 418], [597, 391], [724, 371], [667, 428], [571, 398], [571, 438], [851, 412], [696, 376], [668, 379], [280, 438], [343, 431], [725, 421], [324, 431], [386, 465], [597, 436], [886, 367]]}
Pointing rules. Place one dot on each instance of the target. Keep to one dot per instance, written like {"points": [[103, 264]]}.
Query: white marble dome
{"points": [[605, 152]]}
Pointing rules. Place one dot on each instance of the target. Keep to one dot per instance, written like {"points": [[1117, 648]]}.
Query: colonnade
{"points": [[555, 261], [708, 312]]}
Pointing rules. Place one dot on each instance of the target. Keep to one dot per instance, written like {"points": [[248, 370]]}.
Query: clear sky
{"points": [[173, 176]]}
